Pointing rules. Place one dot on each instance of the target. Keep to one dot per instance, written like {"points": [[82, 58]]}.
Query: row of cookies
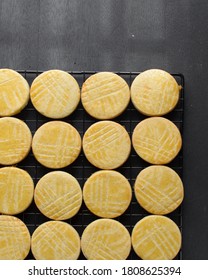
{"points": [[106, 144], [104, 95], [153, 237], [106, 193]]}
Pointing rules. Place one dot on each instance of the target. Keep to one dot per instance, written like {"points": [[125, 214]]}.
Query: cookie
{"points": [[15, 140], [14, 238], [55, 94], [159, 189], [107, 193], [105, 239], [105, 95], [155, 92], [58, 195], [156, 237], [56, 144], [157, 140], [106, 144], [16, 190], [14, 93], [55, 240]]}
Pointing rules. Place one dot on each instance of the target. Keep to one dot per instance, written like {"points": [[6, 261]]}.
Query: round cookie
{"points": [[155, 92], [16, 190], [56, 144], [159, 189], [106, 144], [15, 140], [105, 95], [156, 238], [157, 140], [106, 239], [14, 93], [107, 193], [14, 238], [55, 240], [55, 94], [58, 195]]}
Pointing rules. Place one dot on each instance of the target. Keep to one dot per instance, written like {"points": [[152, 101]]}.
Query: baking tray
{"points": [[82, 169]]}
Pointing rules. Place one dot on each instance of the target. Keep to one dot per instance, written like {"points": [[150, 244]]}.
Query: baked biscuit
{"points": [[155, 92], [56, 144], [107, 193], [157, 140], [16, 190], [15, 140], [105, 95], [14, 93], [55, 240], [55, 94], [156, 238], [106, 239], [159, 189], [14, 238], [58, 195], [106, 144]]}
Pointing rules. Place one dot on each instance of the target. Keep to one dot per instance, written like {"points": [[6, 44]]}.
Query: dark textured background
{"points": [[126, 35]]}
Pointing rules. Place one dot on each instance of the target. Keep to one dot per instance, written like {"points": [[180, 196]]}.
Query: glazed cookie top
{"points": [[16, 190], [56, 144], [155, 92], [15, 140], [107, 193], [58, 195], [15, 243], [159, 189], [55, 94], [106, 144], [157, 140], [14, 93], [156, 237], [105, 95], [55, 240], [105, 239]]}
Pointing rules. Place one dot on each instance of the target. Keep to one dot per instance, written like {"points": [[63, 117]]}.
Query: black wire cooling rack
{"points": [[82, 169]]}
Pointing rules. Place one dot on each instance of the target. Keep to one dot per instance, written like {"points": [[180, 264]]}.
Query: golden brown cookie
{"points": [[55, 240], [56, 144], [14, 238], [58, 195], [105, 95], [107, 193], [159, 189], [157, 140], [155, 92], [105, 239], [55, 94], [14, 93], [106, 144], [16, 190], [156, 238], [15, 140]]}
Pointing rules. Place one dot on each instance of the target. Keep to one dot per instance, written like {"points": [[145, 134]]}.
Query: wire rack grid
{"points": [[82, 169]]}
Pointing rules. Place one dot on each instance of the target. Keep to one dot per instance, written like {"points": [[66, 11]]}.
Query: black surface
{"points": [[125, 35]]}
